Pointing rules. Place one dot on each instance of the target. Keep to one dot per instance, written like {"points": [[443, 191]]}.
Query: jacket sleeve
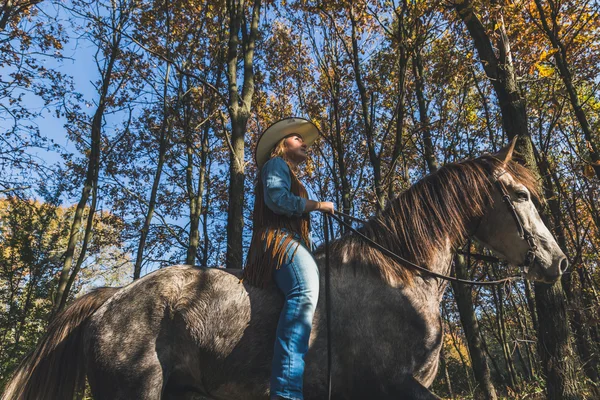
{"points": [[277, 185]]}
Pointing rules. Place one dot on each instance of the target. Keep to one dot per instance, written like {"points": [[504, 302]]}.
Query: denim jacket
{"points": [[277, 184]]}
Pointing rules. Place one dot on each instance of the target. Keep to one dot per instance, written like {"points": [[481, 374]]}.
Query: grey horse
{"points": [[184, 331]]}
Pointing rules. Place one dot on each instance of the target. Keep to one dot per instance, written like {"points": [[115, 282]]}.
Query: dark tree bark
{"points": [[502, 339], [397, 151], [447, 380], [578, 302], [553, 343], [86, 239], [366, 112], [196, 197], [499, 70], [204, 261], [425, 124]]}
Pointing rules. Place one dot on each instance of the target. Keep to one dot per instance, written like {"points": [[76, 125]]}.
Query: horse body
{"points": [[199, 330], [184, 330]]}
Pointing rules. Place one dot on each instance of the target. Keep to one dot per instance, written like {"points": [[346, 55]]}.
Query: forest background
{"points": [[127, 129]]}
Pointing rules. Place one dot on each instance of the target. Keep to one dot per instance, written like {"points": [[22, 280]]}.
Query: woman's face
{"points": [[295, 148]]}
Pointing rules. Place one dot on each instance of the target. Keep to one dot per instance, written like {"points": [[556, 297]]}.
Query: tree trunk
{"points": [[70, 252], [578, 302], [464, 301], [204, 262], [340, 154], [553, 334], [527, 364], [553, 343], [239, 112], [235, 216], [446, 373], [397, 151], [499, 71], [86, 240], [499, 373], [91, 180], [165, 133], [196, 198], [425, 125], [498, 303]]}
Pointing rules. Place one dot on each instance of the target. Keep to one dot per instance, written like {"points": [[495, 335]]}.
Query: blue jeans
{"points": [[298, 279]]}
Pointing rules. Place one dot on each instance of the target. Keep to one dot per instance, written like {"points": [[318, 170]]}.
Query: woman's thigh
{"points": [[299, 275]]}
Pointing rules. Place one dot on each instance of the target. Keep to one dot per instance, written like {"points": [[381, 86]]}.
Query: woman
{"points": [[280, 248]]}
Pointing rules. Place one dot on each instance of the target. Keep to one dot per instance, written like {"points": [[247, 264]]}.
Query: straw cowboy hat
{"points": [[280, 129]]}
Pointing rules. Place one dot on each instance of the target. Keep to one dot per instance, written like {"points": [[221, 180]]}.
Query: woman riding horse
{"points": [[280, 247], [183, 330]]}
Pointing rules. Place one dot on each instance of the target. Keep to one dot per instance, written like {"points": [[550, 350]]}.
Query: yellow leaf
{"points": [[547, 54], [544, 70]]}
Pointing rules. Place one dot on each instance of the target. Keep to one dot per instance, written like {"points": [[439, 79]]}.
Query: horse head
{"points": [[512, 227]]}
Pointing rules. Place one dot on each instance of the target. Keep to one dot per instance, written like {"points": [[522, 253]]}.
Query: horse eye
{"points": [[521, 195]]}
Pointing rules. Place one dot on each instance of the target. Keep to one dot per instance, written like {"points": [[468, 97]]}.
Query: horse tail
{"points": [[55, 369]]}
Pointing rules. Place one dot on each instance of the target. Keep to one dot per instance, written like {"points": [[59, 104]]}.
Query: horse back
{"points": [[202, 328]]}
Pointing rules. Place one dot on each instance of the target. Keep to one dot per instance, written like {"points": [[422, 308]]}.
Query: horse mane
{"points": [[419, 222]]}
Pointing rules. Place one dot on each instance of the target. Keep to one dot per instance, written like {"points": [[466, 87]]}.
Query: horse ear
{"points": [[506, 153]]}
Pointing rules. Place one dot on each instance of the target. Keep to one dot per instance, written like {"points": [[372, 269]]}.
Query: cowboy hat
{"points": [[280, 129]]}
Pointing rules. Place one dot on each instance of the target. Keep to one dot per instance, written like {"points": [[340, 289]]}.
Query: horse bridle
{"points": [[523, 232]]}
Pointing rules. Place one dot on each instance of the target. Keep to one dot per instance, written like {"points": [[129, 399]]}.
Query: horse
{"points": [[185, 331]]}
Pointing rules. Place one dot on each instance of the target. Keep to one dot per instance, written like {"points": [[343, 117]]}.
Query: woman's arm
{"points": [[278, 195]]}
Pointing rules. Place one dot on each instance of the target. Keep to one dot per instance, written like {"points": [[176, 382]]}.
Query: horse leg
{"points": [[184, 395], [370, 387], [412, 389], [141, 380]]}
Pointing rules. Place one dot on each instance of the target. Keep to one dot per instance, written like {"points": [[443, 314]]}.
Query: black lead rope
{"points": [[410, 263], [326, 226]]}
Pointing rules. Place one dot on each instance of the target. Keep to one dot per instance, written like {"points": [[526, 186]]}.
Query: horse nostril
{"points": [[564, 264]]}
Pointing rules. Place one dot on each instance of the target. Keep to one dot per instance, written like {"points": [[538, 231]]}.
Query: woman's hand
{"points": [[323, 206], [326, 207]]}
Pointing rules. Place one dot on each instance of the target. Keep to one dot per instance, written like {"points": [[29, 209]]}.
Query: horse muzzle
{"points": [[542, 272]]}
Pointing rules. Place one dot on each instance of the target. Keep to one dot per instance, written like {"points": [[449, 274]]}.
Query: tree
{"points": [[239, 112], [554, 333], [114, 65]]}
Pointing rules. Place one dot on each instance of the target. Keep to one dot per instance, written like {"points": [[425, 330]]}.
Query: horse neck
{"points": [[350, 264], [424, 291]]}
